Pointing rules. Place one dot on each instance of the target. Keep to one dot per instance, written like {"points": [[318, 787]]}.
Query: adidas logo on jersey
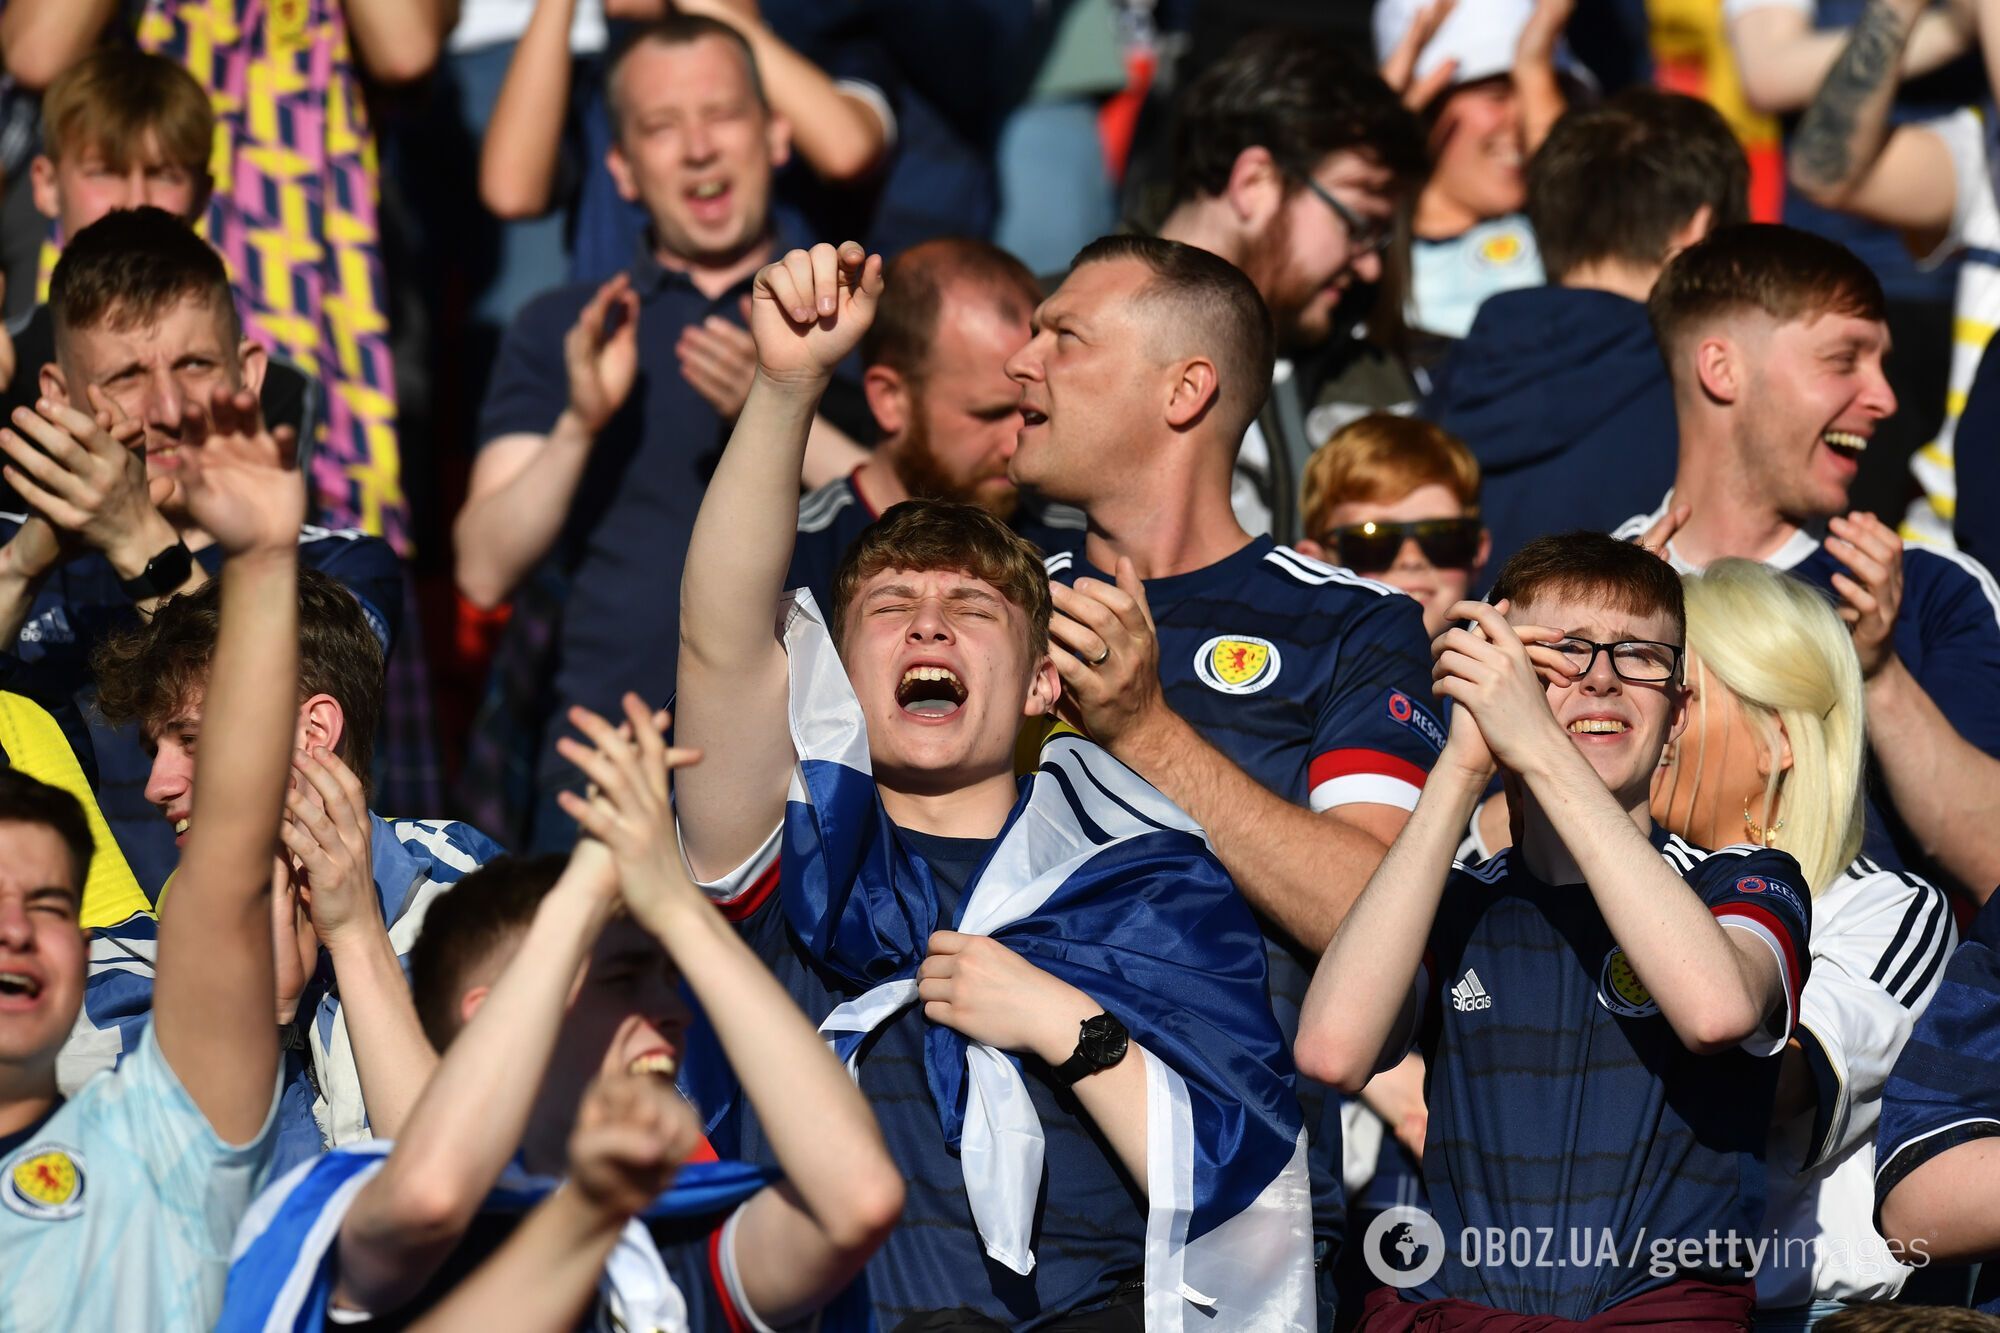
{"points": [[1468, 995]]}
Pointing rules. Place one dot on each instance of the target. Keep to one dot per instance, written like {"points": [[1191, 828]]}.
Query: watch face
{"points": [[1103, 1041]]}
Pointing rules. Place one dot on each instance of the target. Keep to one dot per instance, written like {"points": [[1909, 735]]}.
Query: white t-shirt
{"points": [[119, 1210], [1879, 944]]}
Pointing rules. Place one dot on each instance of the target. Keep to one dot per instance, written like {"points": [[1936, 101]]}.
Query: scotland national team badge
{"points": [[44, 1182], [1237, 664], [1620, 990]]}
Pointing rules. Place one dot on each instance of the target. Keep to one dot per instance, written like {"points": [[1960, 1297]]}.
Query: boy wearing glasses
{"points": [[1602, 1006], [1397, 499]]}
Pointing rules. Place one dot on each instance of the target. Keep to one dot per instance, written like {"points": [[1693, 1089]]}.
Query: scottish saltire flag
{"points": [[1100, 880], [281, 1272]]}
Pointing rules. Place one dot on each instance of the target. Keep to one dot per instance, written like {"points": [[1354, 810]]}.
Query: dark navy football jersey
{"points": [[1945, 1090], [1566, 1117], [1947, 635], [1315, 682]]}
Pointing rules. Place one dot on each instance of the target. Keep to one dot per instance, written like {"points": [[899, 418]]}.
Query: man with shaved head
{"points": [[1278, 700]]}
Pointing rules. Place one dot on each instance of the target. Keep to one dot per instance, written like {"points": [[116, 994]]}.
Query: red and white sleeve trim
{"points": [[743, 890], [1765, 925], [1362, 777], [723, 1272]]}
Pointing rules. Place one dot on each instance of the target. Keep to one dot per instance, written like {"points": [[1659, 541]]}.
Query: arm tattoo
{"points": [[1823, 146]]}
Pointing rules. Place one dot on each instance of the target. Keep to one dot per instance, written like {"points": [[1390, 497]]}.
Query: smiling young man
{"points": [[1063, 949], [146, 330], [1603, 1007], [1774, 340], [122, 1200]]}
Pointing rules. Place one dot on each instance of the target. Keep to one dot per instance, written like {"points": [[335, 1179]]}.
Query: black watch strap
{"points": [[163, 574], [1101, 1043]]}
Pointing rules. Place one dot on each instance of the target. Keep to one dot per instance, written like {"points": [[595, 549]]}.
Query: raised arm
{"points": [[801, 1241], [1361, 992], [1844, 153], [214, 1023], [328, 833], [522, 484], [632, 1132], [517, 158], [842, 136], [1715, 987], [399, 41], [39, 39], [808, 310], [1783, 59], [471, 1116], [1535, 82]]}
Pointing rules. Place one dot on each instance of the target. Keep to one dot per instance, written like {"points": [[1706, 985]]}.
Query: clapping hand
{"points": [[627, 807], [242, 481]]}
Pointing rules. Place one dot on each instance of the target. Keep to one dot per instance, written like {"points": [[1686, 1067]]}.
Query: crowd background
{"points": [[494, 269], [404, 217]]}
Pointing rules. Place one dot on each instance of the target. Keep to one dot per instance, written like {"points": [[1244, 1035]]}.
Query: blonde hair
{"points": [[1778, 646], [1381, 458]]}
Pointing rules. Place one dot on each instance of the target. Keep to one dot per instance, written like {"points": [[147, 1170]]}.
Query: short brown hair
{"points": [[132, 266], [1209, 297], [145, 674], [913, 295], [113, 98], [29, 800], [676, 29], [1301, 98], [1788, 274], [1380, 459], [1593, 565], [467, 925], [1616, 181], [922, 535]]}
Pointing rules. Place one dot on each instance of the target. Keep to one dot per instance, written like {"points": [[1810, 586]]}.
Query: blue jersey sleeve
{"points": [[1376, 734], [1945, 1089], [1958, 619], [530, 387], [1762, 891]]}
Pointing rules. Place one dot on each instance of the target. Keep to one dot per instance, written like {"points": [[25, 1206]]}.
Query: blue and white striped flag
{"points": [[1100, 880], [282, 1269]]}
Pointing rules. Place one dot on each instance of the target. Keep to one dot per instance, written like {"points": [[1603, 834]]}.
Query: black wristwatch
{"points": [[1101, 1044], [163, 574]]}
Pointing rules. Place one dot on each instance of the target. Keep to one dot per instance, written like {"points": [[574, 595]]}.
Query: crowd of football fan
{"points": [[1147, 670]]}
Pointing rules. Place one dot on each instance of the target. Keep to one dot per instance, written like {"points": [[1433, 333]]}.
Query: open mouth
{"points": [[1846, 443], [19, 986], [660, 1064], [710, 199], [930, 691], [1031, 417], [1598, 726]]}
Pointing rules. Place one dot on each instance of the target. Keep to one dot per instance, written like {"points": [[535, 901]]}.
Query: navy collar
{"points": [[649, 275]]}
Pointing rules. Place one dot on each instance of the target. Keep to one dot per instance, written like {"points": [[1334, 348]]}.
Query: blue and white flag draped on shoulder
{"points": [[1100, 880], [282, 1270]]}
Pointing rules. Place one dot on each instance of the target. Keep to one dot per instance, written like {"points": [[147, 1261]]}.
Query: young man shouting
{"points": [[1602, 1007], [1055, 996]]}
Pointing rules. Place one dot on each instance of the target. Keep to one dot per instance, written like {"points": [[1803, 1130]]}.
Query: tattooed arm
{"points": [[1844, 154]]}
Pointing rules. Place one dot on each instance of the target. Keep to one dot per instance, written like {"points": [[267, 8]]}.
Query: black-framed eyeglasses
{"points": [[1365, 236], [1641, 661], [1449, 543]]}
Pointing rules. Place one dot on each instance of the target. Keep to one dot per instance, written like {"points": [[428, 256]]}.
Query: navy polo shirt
{"points": [[625, 540], [82, 603]]}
